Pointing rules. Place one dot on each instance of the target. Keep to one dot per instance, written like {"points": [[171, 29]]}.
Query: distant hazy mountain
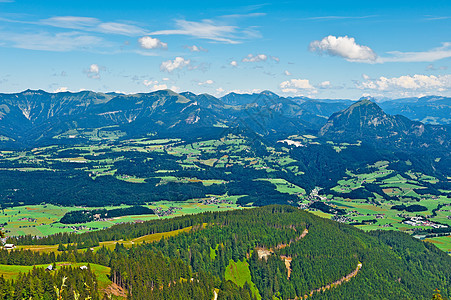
{"points": [[429, 110], [366, 121]]}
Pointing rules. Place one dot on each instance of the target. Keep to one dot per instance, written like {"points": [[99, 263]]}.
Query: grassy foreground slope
{"points": [[193, 264]]}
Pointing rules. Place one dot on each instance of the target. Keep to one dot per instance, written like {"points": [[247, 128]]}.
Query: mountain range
{"points": [[34, 118]]}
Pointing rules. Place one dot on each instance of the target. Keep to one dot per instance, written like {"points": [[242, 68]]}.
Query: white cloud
{"points": [[120, 28], [175, 88], [366, 77], [177, 63], [148, 42], [68, 41], [416, 83], [158, 87], [206, 82], [287, 73], [234, 63], [255, 58], [324, 84], [275, 58], [149, 82], [195, 48], [213, 30], [247, 91], [61, 89], [71, 22], [165, 79], [295, 86], [206, 29], [93, 71], [93, 24], [425, 56], [345, 47]]}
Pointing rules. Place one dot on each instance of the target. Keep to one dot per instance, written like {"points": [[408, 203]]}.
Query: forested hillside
{"points": [[286, 252]]}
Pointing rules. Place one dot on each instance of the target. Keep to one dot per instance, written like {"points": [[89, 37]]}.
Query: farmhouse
{"points": [[49, 268], [9, 246]]}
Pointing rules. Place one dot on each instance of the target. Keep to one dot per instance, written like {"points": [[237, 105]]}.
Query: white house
{"points": [[9, 246]]}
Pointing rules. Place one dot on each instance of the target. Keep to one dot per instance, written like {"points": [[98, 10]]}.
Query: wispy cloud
{"points": [[436, 18], [205, 29], [195, 48], [59, 42], [328, 18], [93, 24], [210, 30], [423, 56]]}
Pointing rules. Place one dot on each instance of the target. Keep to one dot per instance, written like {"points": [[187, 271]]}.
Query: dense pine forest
{"points": [[198, 264]]}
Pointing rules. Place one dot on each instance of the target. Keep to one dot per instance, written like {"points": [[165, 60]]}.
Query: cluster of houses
{"points": [[342, 219], [170, 211], [215, 201], [420, 221]]}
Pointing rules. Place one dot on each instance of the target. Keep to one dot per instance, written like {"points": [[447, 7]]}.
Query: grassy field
{"points": [[111, 244], [239, 273], [442, 242], [42, 220]]}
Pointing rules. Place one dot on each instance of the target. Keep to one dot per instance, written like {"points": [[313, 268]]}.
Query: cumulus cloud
{"points": [[149, 82], [418, 83], [234, 63], [154, 85], [324, 84], [195, 48], [345, 47], [296, 85], [147, 42], [255, 58], [287, 73], [171, 65], [206, 82], [61, 89], [93, 71]]}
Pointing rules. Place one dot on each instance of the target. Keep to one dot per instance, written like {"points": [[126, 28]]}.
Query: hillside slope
{"points": [[377, 264]]}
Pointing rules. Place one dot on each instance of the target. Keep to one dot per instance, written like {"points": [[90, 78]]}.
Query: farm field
{"points": [[363, 196], [111, 244], [42, 220]]}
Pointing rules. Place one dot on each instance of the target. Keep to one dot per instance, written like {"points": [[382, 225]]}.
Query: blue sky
{"points": [[320, 49]]}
